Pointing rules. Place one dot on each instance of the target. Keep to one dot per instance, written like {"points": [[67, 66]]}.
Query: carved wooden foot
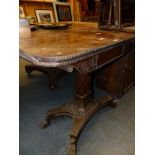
{"points": [[71, 150], [54, 74], [80, 113], [44, 124], [51, 114]]}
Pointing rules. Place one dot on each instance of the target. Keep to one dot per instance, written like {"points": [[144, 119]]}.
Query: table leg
{"points": [[54, 74], [81, 108]]}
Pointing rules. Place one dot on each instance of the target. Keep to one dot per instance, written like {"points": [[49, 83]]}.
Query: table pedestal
{"points": [[54, 74], [81, 108]]}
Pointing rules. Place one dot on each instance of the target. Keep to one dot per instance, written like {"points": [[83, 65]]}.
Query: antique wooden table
{"points": [[81, 47]]}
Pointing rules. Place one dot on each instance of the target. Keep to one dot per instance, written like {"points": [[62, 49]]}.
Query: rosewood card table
{"points": [[83, 48]]}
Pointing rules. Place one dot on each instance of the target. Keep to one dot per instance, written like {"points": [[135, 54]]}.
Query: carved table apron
{"points": [[85, 49]]}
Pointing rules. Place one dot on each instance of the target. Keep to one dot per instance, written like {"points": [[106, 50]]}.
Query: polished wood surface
{"points": [[82, 48], [50, 48]]}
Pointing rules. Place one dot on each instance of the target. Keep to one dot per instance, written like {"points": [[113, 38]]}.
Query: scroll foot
{"points": [[72, 146], [71, 150], [44, 124]]}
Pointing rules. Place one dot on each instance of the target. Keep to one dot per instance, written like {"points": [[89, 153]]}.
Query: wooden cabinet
{"points": [[117, 77]]}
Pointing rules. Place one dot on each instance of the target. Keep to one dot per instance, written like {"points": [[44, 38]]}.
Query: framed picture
{"points": [[63, 11], [21, 12], [44, 16]]}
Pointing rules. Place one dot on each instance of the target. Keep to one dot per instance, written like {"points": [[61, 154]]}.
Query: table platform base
{"points": [[80, 113]]}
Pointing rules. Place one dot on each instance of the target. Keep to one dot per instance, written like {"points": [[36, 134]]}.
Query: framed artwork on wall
{"points": [[21, 12], [63, 11], [44, 16]]}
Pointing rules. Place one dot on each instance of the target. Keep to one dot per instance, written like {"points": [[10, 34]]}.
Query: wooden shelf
{"points": [[31, 5]]}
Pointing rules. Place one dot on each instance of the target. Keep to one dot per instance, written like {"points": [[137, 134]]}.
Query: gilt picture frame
{"points": [[44, 16], [63, 11]]}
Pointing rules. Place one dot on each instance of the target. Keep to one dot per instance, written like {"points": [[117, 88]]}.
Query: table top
{"points": [[51, 48]]}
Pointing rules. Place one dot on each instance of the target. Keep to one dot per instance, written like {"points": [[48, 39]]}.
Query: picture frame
{"points": [[21, 12], [44, 15], [63, 11]]}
